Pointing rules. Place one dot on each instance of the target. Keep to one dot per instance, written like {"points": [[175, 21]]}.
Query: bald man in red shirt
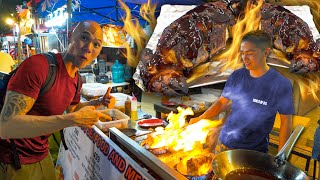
{"points": [[30, 119]]}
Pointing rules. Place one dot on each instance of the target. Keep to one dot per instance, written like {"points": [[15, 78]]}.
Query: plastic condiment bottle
{"points": [[134, 108], [127, 107]]}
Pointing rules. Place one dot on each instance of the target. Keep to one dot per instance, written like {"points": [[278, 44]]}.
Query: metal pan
{"points": [[247, 164]]}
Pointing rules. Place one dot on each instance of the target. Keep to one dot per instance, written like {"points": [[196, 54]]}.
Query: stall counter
{"points": [[92, 155]]}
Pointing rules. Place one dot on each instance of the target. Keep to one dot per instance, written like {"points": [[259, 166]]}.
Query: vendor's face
{"points": [[86, 43], [253, 57]]}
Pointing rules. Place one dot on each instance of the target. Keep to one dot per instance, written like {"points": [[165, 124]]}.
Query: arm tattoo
{"points": [[16, 104]]}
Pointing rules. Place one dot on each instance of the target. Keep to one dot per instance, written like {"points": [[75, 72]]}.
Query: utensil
{"points": [[128, 131], [255, 164], [147, 123]]}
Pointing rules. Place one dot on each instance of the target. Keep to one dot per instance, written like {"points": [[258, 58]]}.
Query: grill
{"points": [[155, 167]]}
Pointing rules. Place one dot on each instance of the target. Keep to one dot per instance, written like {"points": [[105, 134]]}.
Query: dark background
{"points": [[7, 7]]}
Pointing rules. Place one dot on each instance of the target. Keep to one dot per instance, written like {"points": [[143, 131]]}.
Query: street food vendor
{"points": [[257, 93], [29, 118]]}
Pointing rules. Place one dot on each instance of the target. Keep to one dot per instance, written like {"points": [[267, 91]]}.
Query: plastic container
{"points": [[127, 72], [120, 101], [127, 107], [120, 120], [117, 70], [134, 108], [90, 78]]}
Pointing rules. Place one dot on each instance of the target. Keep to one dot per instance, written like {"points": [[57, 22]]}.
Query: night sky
{"points": [[7, 7]]}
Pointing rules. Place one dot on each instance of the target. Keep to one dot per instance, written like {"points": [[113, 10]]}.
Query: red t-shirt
{"points": [[28, 80]]}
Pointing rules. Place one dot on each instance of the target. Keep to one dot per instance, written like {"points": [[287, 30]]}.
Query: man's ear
{"points": [[267, 52]]}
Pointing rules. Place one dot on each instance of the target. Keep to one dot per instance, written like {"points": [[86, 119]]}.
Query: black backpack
{"points": [[4, 80]]}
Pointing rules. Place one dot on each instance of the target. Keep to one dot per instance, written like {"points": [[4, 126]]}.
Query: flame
{"points": [[201, 166], [308, 84], [135, 30], [113, 36], [250, 22], [178, 135], [187, 140], [147, 12], [230, 59]]}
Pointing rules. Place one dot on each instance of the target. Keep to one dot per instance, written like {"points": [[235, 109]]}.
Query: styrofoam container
{"points": [[120, 120]]}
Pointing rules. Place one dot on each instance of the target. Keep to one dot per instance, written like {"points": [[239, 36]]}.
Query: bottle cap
{"points": [[134, 97]]}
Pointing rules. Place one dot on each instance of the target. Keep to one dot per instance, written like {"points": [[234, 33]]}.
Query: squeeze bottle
{"points": [[127, 107], [134, 108]]}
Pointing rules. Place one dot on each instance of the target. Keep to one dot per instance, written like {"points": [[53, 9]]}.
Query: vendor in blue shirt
{"points": [[257, 93]]}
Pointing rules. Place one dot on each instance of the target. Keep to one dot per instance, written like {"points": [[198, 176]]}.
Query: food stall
{"points": [[93, 154], [112, 155], [151, 151]]}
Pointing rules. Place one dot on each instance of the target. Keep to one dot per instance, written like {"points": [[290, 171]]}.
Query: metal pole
{"points": [[69, 20], [19, 43], [35, 28], [14, 41]]}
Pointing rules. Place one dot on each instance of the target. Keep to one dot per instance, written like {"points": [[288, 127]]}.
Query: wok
{"points": [[247, 164]]}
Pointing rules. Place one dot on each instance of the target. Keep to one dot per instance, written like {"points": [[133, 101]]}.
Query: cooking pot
{"points": [[247, 164]]}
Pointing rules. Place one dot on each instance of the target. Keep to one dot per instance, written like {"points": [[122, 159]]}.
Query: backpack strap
{"points": [[51, 77], [16, 159], [61, 131], [78, 84]]}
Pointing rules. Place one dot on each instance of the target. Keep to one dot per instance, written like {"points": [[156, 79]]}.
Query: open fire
{"points": [[187, 146], [308, 83]]}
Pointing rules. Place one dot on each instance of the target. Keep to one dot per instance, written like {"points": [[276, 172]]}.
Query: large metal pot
{"points": [[247, 164]]}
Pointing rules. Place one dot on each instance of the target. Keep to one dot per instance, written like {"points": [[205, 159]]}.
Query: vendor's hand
{"points": [[194, 120], [108, 100], [108, 112], [88, 116]]}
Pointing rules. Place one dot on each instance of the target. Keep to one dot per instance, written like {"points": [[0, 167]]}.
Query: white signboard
{"points": [[92, 155]]}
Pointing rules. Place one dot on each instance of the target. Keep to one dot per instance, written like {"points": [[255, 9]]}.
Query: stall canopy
{"points": [[104, 11]]}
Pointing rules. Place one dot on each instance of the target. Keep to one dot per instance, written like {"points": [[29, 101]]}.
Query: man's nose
{"points": [[88, 47], [244, 57]]}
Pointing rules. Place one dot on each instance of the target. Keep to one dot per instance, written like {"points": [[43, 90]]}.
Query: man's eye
{"points": [[84, 38], [97, 45]]}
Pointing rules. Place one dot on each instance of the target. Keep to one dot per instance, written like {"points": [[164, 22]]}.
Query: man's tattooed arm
{"points": [[16, 104], [15, 124]]}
